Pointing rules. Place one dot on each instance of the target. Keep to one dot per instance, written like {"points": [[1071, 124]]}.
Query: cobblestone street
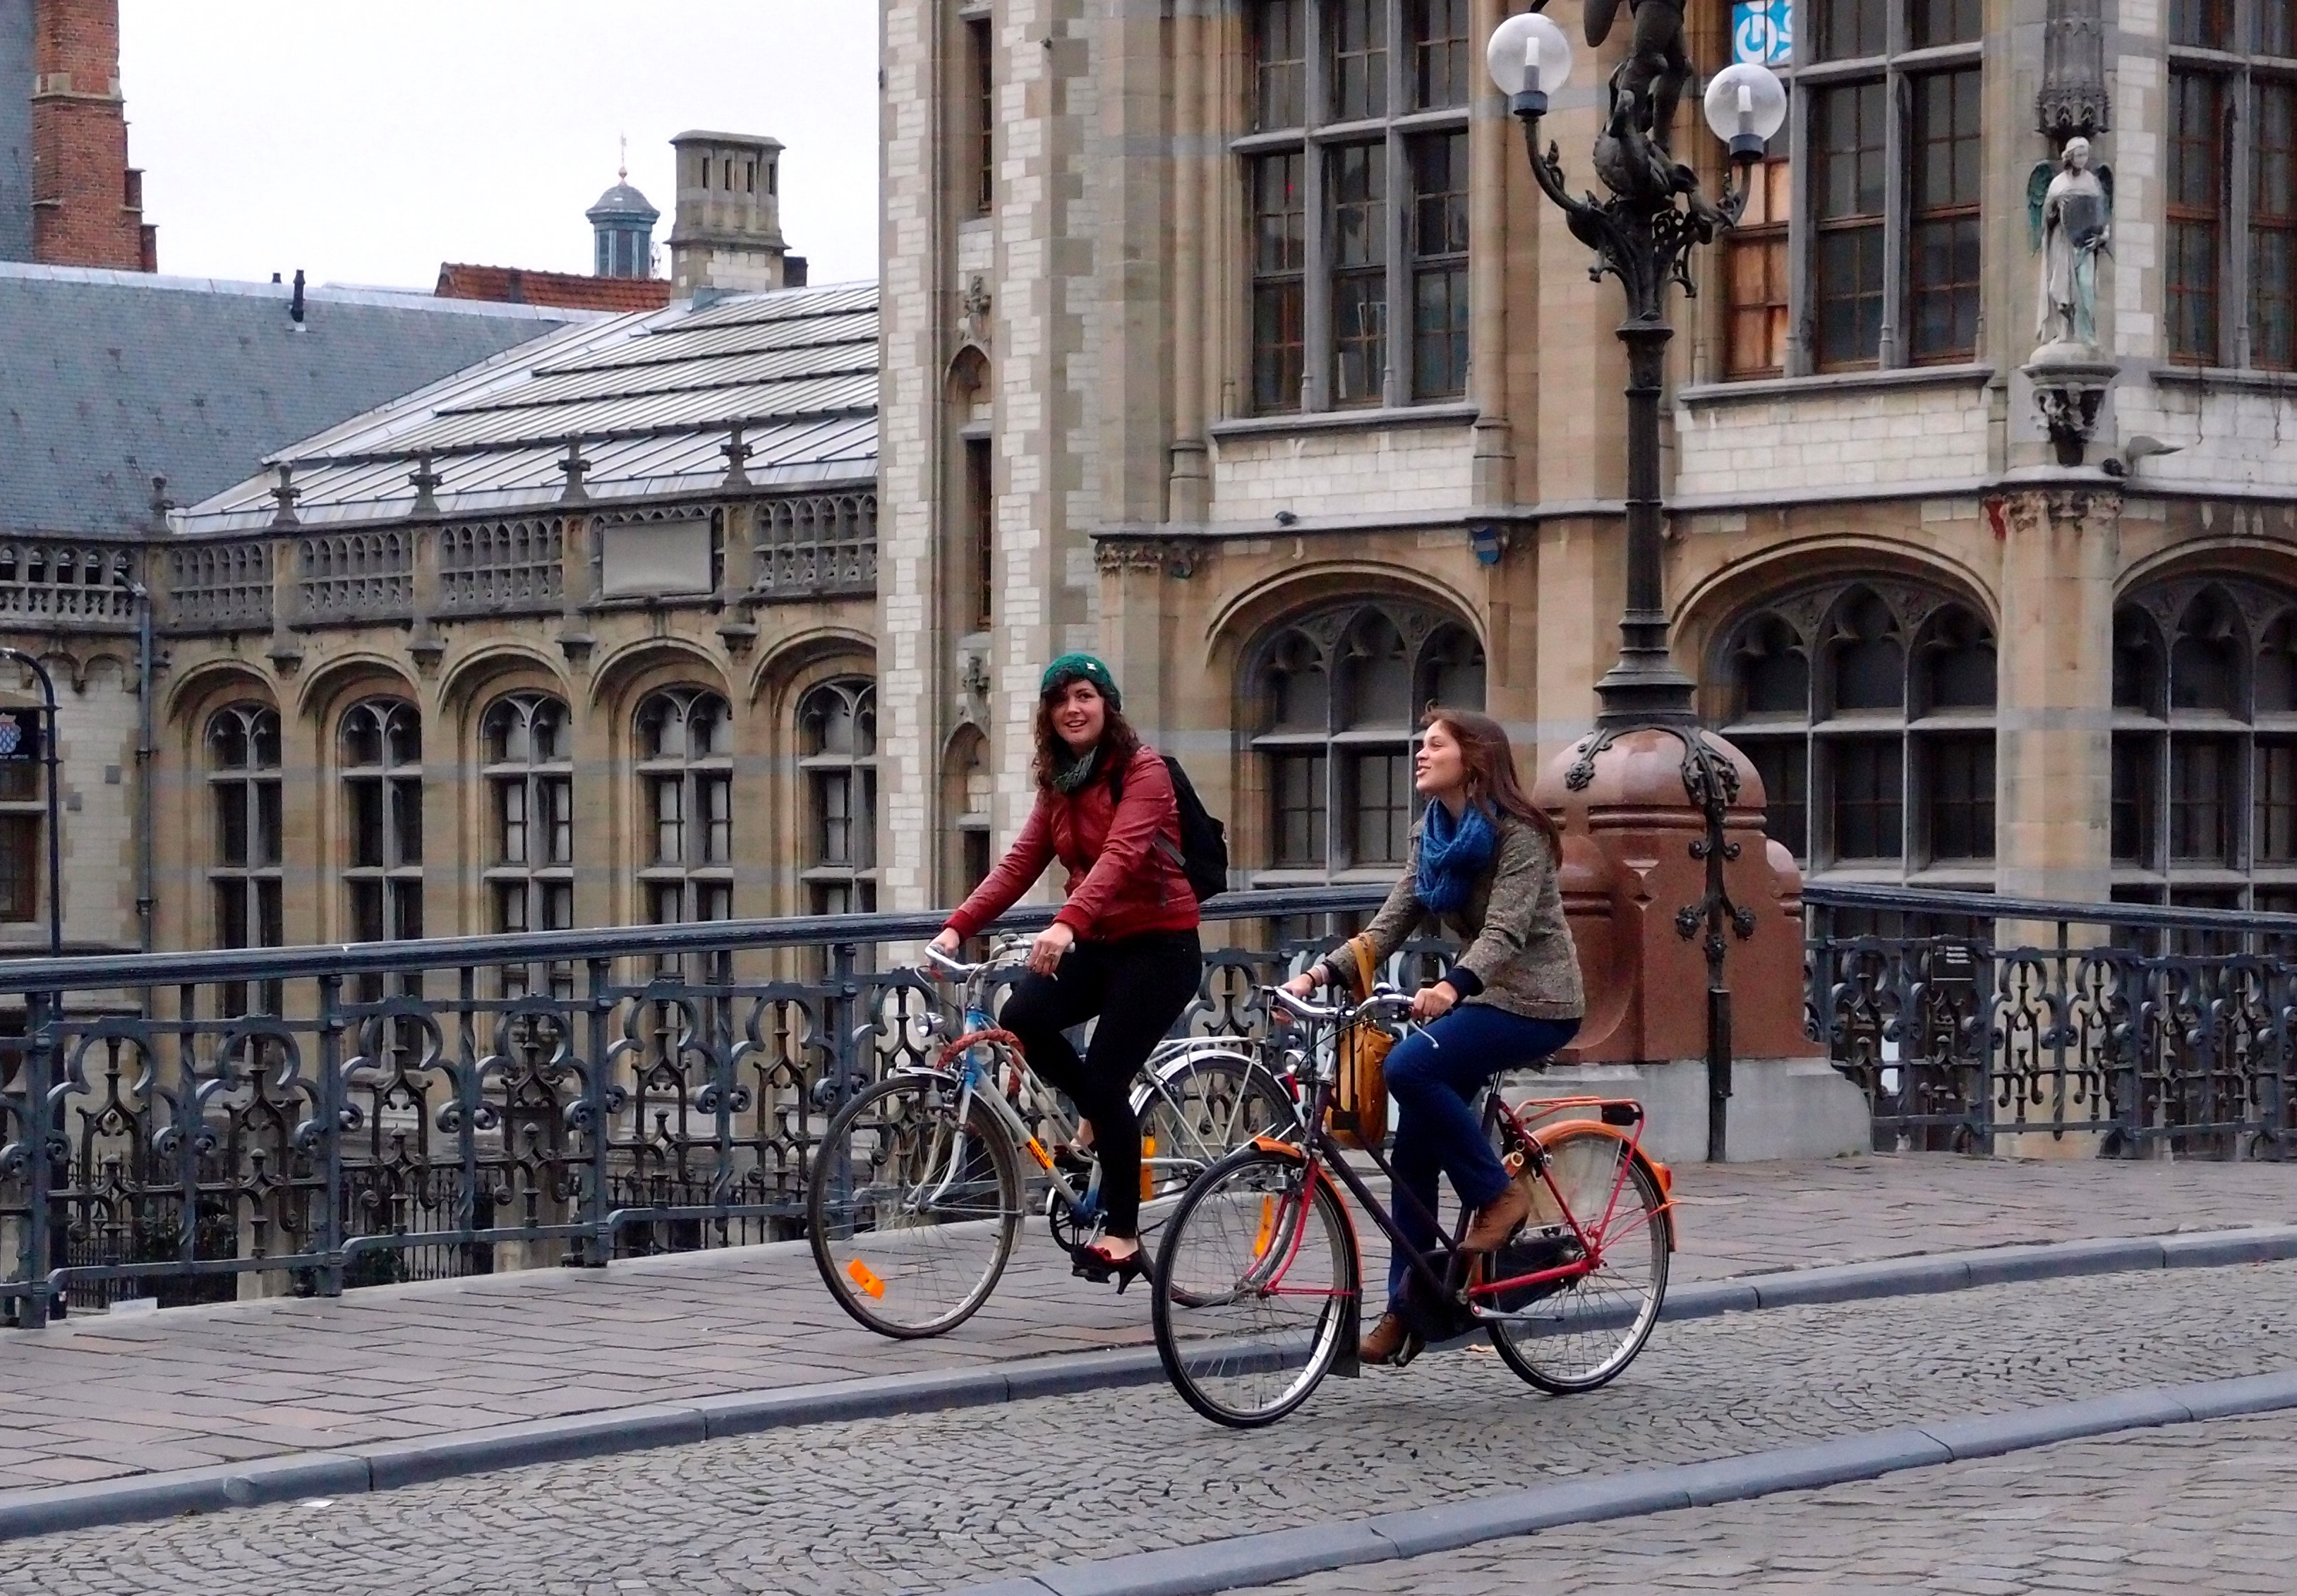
{"points": [[925, 1501], [2191, 1509], [109, 1394]]}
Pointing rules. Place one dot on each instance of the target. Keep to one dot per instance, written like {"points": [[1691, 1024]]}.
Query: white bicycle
{"points": [[921, 1182]]}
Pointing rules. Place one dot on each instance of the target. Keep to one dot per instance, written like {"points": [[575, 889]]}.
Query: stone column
{"points": [[2055, 750], [1188, 489], [1489, 136]]}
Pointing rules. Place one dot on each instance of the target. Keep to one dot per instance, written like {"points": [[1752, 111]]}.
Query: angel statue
{"points": [[2069, 215]]}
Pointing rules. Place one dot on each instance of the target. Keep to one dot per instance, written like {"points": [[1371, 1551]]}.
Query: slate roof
{"points": [[108, 379], [652, 395], [516, 285]]}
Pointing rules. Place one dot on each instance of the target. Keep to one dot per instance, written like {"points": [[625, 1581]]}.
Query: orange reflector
{"points": [[1148, 1180], [1037, 1151], [865, 1278], [1267, 1227]]}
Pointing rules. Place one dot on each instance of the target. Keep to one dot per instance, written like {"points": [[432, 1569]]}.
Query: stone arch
{"points": [[793, 656], [471, 678], [649, 660], [1326, 697], [1248, 615], [203, 686], [968, 388], [362, 673], [1721, 597], [1866, 703]]}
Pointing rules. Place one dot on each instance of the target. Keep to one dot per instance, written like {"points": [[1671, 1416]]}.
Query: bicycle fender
{"points": [[1661, 1177], [1282, 1149]]}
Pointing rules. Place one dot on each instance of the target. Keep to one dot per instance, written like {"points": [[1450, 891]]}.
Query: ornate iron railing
{"points": [[1968, 1018], [333, 1116]]}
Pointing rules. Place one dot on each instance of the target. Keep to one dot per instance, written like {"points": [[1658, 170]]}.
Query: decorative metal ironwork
{"points": [[341, 1117], [2162, 1030]]}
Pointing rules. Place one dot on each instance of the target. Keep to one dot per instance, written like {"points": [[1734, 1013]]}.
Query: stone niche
{"points": [[1628, 870]]}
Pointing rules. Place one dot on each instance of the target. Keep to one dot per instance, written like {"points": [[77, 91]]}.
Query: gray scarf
{"points": [[1071, 771]]}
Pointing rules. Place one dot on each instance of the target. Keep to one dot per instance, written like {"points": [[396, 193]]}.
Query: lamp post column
{"points": [[1644, 688]]}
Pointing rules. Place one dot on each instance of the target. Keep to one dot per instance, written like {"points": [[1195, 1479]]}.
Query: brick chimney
{"points": [[87, 203]]}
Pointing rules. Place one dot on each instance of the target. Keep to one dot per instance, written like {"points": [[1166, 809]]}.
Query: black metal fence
{"points": [[2142, 1031], [326, 1117]]}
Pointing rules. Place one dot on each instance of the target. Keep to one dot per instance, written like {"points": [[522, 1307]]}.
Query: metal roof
{"points": [[653, 398], [108, 379]]}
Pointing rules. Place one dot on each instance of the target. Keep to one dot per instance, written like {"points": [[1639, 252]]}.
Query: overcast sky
{"points": [[366, 141]]}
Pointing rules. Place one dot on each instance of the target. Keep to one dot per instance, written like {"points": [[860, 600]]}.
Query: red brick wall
{"points": [[87, 205]]}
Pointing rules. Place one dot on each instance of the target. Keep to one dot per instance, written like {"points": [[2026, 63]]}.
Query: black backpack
{"points": [[1203, 841]]}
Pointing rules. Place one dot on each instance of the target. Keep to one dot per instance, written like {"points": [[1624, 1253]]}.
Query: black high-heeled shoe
{"points": [[1093, 1263]]}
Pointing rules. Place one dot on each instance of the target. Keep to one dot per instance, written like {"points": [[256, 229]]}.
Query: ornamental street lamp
{"points": [[1643, 235]]}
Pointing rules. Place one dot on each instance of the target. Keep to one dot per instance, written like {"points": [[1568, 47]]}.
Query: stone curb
{"points": [[386, 1465], [1247, 1560]]}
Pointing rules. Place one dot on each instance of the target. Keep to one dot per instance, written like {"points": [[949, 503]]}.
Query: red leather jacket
{"points": [[1121, 883]]}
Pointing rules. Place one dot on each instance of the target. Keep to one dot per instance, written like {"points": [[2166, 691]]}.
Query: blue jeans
{"points": [[1435, 1074]]}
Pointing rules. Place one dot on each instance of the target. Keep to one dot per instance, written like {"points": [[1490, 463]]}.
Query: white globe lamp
{"points": [[1746, 104], [1528, 59]]}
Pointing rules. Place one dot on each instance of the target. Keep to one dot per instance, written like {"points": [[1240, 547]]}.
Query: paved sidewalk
{"points": [[113, 1395]]}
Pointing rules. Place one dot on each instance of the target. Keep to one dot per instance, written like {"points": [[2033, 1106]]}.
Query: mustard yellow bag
{"points": [[1358, 1116]]}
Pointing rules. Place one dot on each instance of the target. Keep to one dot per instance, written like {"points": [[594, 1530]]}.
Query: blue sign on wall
{"points": [[1763, 30]]}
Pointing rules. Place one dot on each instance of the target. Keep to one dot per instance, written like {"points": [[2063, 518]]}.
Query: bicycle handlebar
{"points": [[1384, 1001]]}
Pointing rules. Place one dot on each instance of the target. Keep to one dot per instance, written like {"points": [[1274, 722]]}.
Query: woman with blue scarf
{"points": [[1483, 862]]}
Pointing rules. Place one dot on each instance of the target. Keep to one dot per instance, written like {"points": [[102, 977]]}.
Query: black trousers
{"points": [[1138, 986]]}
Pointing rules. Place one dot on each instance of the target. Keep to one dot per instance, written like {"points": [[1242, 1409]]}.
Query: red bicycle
{"points": [[1259, 1283]]}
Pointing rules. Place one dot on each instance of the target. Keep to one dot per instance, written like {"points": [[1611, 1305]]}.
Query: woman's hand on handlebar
{"points": [[1303, 985], [1053, 941], [945, 944], [1433, 1002]]}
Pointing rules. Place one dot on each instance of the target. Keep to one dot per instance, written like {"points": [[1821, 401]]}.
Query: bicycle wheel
{"points": [[911, 1214], [1580, 1335], [1198, 1111], [1257, 1281]]}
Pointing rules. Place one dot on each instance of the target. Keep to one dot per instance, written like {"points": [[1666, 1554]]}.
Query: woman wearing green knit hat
{"points": [[1124, 948]]}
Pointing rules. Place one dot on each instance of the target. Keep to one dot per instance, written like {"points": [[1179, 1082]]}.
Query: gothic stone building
{"points": [[1233, 337]]}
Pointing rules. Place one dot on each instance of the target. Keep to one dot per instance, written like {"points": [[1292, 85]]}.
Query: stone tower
{"points": [[728, 233], [86, 203]]}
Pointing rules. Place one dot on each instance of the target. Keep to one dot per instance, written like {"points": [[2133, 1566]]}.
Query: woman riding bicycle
{"points": [[1483, 860], [1123, 946]]}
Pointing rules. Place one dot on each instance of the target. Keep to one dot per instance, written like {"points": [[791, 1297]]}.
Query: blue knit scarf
{"points": [[1452, 854]]}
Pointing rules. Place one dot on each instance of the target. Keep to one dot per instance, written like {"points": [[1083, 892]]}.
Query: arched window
{"points": [[380, 750], [527, 763], [837, 741], [1337, 697], [1869, 711], [245, 865], [2205, 799], [244, 793], [686, 780]]}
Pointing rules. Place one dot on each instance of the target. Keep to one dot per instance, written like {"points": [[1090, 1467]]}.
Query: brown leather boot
{"points": [[1497, 1220], [1384, 1341]]}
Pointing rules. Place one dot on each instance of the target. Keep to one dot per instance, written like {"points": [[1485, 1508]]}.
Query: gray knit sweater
{"points": [[1520, 957]]}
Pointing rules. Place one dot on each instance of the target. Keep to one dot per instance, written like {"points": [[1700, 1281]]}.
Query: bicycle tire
{"points": [[1204, 1107], [1251, 1235], [959, 1200], [1583, 1334]]}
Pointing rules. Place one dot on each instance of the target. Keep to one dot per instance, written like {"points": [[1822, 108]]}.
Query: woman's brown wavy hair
{"points": [[1118, 741], [1490, 763]]}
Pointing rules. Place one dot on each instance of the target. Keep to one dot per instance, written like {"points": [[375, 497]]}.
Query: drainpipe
{"points": [[146, 902]]}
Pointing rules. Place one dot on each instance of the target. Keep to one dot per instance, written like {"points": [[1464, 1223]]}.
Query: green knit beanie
{"points": [[1080, 667]]}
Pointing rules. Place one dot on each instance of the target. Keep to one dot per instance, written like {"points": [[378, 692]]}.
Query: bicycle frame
{"points": [[975, 1060], [1324, 1158]]}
